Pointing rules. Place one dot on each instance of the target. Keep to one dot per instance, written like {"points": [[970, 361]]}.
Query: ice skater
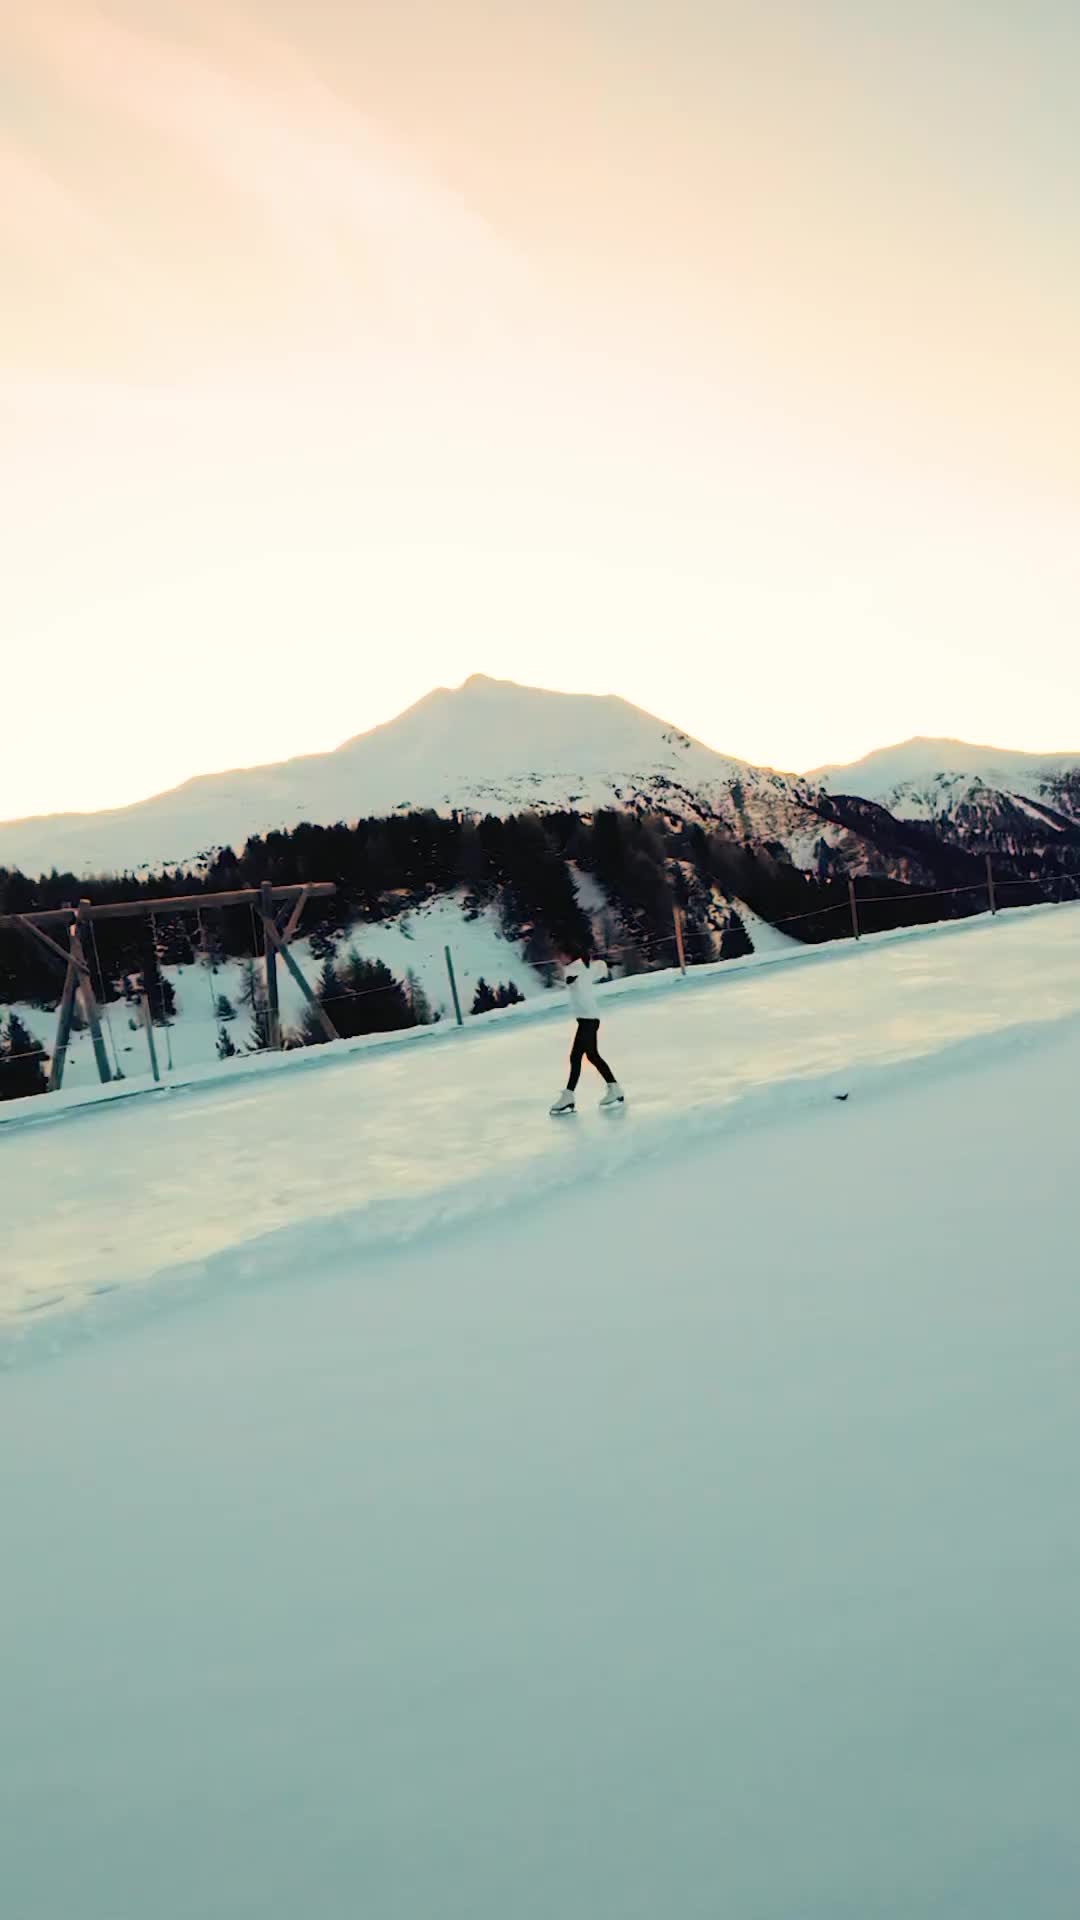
{"points": [[577, 974]]}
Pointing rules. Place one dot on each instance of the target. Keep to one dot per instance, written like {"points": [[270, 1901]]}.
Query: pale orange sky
{"points": [[722, 357]]}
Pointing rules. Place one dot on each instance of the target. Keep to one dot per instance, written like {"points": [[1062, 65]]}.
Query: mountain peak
{"points": [[935, 763], [487, 745]]}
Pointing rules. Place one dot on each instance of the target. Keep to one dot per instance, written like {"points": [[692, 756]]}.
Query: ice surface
{"points": [[689, 1529]]}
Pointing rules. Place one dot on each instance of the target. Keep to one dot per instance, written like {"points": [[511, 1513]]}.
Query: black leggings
{"points": [[585, 1048]]}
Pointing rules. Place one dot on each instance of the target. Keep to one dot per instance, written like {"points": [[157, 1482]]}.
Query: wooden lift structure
{"points": [[78, 982]]}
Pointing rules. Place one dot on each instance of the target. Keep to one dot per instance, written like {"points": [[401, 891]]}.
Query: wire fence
{"points": [[639, 948]]}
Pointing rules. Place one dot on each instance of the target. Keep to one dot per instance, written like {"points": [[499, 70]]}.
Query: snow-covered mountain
{"points": [[918, 762], [492, 746], [487, 746], [971, 795]]}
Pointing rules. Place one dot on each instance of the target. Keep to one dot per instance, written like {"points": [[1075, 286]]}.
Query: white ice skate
{"points": [[614, 1096], [564, 1103]]}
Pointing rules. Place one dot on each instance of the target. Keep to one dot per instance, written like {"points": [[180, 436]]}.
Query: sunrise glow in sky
{"points": [[721, 356]]}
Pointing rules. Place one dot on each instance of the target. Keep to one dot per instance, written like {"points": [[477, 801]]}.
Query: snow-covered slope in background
{"points": [[488, 746], [921, 761], [972, 795]]}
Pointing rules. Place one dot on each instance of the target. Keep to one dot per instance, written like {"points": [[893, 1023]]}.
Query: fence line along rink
{"points": [[390, 1143]]}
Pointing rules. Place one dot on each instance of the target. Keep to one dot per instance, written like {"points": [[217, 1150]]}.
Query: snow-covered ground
{"points": [[481, 1515]]}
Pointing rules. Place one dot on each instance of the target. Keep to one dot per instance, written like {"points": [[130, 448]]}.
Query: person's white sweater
{"points": [[582, 990]]}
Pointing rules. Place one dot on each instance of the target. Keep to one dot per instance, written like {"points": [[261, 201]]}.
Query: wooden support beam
{"points": [[63, 1029], [54, 952], [679, 948], [453, 986], [86, 994], [289, 929], [148, 1022], [273, 1011], [78, 982], [182, 903], [277, 940]]}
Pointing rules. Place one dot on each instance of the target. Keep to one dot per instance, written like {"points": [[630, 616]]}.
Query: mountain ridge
{"points": [[927, 755], [495, 745], [489, 745]]}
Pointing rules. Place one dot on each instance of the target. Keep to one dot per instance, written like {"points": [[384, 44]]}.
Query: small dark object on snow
{"points": [[839, 1096]]}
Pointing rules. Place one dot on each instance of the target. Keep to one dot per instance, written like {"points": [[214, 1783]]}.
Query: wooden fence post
{"points": [[676, 914], [991, 889], [854, 908], [273, 1012], [148, 1023], [453, 987]]}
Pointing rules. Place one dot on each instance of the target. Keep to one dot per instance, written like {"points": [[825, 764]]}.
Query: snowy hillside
{"points": [[488, 746], [920, 764], [417, 1507], [413, 945]]}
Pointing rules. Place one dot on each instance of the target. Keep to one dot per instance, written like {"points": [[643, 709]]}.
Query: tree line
{"points": [[528, 867]]}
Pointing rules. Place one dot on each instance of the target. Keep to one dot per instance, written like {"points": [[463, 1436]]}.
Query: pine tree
{"points": [[225, 1008], [327, 992], [249, 985], [368, 999], [418, 999], [259, 1031], [735, 941], [225, 1047], [484, 1000], [157, 989], [22, 1066], [508, 996]]}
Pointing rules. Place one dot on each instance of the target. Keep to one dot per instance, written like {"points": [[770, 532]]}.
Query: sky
{"points": [[718, 355]]}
